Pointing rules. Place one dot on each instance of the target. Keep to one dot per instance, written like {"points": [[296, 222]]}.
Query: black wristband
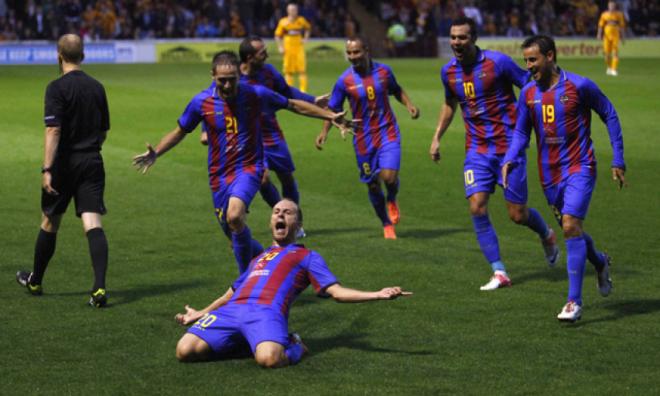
{"points": [[45, 169]]}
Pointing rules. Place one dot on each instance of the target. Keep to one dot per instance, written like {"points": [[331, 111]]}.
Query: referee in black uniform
{"points": [[77, 121]]}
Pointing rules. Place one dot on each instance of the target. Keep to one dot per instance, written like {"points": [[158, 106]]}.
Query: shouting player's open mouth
{"points": [[281, 228], [458, 52]]}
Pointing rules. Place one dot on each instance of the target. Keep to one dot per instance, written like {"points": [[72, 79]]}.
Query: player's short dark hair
{"points": [[225, 57], [246, 49], [545, 44], [361, 39], [460, 21], [71, 49]]}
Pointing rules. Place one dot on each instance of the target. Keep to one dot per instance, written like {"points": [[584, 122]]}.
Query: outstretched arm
{"points": [[145, 160], [444, 120], [311, 110], [404, 99], [192, 315], [346, 295]]}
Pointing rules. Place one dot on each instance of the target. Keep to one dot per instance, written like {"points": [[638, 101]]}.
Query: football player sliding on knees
{"points": [[254, 311]]}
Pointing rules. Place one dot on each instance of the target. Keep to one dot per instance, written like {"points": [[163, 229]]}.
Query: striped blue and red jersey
{"points": [[561, 117], [277, 276], [270, 78], [368, 98], [234, 129], [485, 92]]}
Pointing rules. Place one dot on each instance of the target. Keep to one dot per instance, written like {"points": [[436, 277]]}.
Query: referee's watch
{"points": [[45, 169]]}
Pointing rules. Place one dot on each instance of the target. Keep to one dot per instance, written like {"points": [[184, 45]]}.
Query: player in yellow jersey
{"points": [[291, 33], [611, 29]]}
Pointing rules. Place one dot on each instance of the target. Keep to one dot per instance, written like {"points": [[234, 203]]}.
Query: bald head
{"points": [[70, 48]]}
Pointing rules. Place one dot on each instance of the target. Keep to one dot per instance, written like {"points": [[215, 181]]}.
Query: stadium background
{"points": [[166, 251]]}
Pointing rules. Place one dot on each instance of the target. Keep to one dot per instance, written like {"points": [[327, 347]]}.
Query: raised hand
{"points": [[145, 160]]}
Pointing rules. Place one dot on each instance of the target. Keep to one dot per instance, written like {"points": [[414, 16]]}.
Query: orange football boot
{"points": [[393, 212], [389, 232]]}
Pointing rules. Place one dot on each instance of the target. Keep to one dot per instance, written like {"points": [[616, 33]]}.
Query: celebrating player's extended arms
{"points": [[145, 160], [336, 291]]}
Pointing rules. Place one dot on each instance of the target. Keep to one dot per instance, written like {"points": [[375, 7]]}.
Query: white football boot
{"points": [[570, 313], [498, 280]]}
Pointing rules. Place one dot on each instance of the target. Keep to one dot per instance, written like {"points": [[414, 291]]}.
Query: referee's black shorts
{"points": [[80, 176]]}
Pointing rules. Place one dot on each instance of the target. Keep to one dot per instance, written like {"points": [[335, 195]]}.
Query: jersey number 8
{"points": [[371, 94]]}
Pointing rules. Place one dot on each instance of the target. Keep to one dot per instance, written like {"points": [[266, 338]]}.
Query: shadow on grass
{"points": [[127, 296], [623, 309], [430, 234], [353, 337], [548, 274]]}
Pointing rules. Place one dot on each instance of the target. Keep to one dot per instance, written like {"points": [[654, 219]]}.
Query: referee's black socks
{"points": [[43, 252], [98, 250]]}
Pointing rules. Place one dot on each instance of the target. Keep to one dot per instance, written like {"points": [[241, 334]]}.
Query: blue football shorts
{"points": [[244, 187], [388, 156], [483, 172], [278, 158], [572, 195], [229, 327]]}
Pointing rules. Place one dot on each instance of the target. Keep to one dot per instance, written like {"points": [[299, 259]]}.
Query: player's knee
{"points": [[518, 216], [268, 359], [571, 229], [478, 208], [185, 351], [50, 224], [389, 176]]}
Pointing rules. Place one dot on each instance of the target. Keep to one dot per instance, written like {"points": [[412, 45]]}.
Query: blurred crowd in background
{"points": [[149, 19], [422, 19], [516, 18]]}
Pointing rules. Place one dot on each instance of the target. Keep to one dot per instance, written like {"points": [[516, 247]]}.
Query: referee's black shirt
{"points": [[77, 104]]}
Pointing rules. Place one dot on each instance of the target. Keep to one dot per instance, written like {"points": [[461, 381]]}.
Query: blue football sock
{"points": [[487, 239], [498, 266], [242, 244], [290, 191], [595, 257], [392, 190], [576, 250], [537, 224], [378, 202], [270, 194], [294, 352]]}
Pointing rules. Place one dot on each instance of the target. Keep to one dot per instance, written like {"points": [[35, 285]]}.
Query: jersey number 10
{"points": [[468, 89]]}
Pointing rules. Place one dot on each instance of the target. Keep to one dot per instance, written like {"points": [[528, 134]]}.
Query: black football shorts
{"points": [[80, 176]]}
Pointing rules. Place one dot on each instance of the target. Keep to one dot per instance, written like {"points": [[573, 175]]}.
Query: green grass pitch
{"points": [[166, 250]]}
